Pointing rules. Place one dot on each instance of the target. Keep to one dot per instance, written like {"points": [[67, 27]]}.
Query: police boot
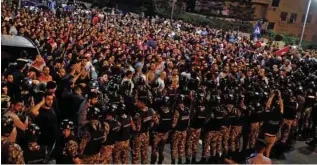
{"points": [[153, 159], [202, 161], [180, 160], [161, 159], [194, 161], [173, 161], [312, 143], [187, 161]]}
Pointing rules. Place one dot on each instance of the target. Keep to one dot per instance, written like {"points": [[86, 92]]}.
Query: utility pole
{"points": [[304, 26]]}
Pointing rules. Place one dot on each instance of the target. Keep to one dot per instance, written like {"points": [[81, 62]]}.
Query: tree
{"points": [[241, 9]]}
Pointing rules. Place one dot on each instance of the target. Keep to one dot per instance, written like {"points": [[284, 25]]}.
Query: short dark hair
{"points": [[92, 95], [48, 94], [15, 101], [129, 72]]}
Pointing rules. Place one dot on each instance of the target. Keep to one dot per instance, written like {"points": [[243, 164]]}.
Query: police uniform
{"points": [[34, 153], [198, 120], [289, 121], [254, 125], [180, 124], [213, 137], [69, 147], [236, 122], [108, 145], [143, 120], [69, 150], [11, 153], [163, 119], [122, 141], [95, 133]]}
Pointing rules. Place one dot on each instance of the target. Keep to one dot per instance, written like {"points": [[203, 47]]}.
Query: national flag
{"points": [[281, 52]]}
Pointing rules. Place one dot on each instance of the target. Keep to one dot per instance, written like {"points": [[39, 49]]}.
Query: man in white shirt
{"points": [[161, 80]]}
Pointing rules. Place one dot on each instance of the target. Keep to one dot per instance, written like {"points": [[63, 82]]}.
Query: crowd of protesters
{"points": [[105, 83]]}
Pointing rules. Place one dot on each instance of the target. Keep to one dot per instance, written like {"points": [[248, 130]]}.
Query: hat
{"points": [[51, 85]]}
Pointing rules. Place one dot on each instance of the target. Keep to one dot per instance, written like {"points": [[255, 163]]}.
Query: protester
{"points": [[219, 84]]}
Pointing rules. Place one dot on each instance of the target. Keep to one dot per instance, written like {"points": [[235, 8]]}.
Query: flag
{"points": [[281, 52]]}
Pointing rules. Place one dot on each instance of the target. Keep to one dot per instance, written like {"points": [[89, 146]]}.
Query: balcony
{"points": [[263, 2]]}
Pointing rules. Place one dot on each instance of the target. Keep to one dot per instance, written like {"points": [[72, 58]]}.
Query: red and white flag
{"points": [[281, 52]]}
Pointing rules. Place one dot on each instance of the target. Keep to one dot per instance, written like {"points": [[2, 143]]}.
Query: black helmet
{"points": [[112, 109], [181, 98], [7, 125], [122, 108], [93, 113], [126, 85], [94, 84], [155, 84], [32, 132], [140, 81], [166, 100], [67, 124]]}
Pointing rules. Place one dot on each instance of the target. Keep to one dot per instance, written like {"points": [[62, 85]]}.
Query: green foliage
{"points": [[289, 39], [199, 20]]}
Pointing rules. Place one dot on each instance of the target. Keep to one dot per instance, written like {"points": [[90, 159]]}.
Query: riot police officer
{"points": [[95, 133], [213, 135], [11, 153], [69, 148], [198, 119], [163, 120], [34, 153], [181, 118], [143, 120], [289, 115], [114, 127], [122, 144]]}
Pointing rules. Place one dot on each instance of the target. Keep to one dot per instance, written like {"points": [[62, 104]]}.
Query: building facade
{"points": [[287, 16]]}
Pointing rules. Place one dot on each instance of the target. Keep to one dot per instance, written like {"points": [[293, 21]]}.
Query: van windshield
{"points": [[9, 54]]}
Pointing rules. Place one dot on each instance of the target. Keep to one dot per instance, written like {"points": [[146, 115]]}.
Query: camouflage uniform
{"points": [[70, 151], [192, 142], [121, 151], [178, 144], [180, 124], [158, 145], [141, 140], [213, 140], [106, 154], [225, 131], [13, 152], [253, 135], [235, 138], [286, 129], [95, 158], [140, 143]]}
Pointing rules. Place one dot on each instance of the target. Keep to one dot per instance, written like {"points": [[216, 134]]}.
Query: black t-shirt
{"points": [[47, 121], [272, 121]]}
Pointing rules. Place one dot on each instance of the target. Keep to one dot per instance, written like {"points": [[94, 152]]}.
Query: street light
{"points": [[304, 26]]}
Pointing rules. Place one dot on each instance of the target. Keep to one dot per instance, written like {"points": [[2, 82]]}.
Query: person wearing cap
{"points": [[258, 157], [68, 145], [11, 153]]}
